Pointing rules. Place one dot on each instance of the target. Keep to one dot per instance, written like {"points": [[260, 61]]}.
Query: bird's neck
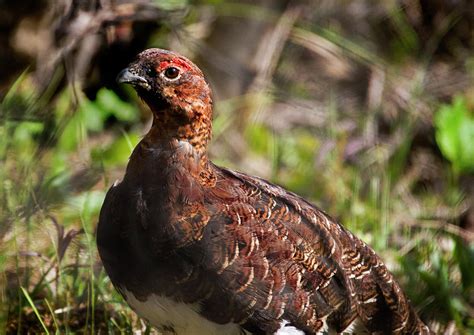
{"points": [[182, 120], [166, 131], [183, 141]]}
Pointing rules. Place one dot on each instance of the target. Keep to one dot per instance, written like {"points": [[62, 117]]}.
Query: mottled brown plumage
{"points": [[199, 249]]}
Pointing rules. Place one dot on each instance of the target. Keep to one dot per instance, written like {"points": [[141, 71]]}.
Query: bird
{"points": [[195, 248]]}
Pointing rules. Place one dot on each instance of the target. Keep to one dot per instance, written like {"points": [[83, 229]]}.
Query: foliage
{"points": [[455, 134], [50, 207]]}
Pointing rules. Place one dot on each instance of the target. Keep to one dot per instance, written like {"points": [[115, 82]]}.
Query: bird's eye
{"points": [[171, 73]]}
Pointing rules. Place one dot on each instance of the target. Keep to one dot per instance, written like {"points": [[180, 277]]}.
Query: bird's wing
{"points": [[277, 257]]}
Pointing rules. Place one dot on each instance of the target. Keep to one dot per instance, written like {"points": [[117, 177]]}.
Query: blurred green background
{"points": [[366, 108]]}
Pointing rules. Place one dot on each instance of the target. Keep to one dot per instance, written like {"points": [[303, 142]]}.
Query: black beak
{"points": [[127, 77]]}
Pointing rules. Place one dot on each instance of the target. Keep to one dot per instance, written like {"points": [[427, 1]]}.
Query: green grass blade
{"points": [[56, 324], [27, 296]]}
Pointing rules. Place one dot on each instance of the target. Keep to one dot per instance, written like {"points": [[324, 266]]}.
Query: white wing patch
{"points": [[286, 329], [356, 327], [165, 313]]}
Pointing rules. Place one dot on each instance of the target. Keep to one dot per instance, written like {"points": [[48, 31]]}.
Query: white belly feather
{"points": [[184, 318]]}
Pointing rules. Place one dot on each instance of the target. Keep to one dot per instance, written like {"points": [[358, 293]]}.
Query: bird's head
{"points": [[175, 90], [166, 80]]}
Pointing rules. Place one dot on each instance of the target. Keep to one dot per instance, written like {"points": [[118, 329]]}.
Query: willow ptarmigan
{"points": [[199, 249]]}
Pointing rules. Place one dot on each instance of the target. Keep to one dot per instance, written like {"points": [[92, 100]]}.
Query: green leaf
{"points": [[25, 131], [92, 116], [118, 152], [455, 134], [111, 104]]}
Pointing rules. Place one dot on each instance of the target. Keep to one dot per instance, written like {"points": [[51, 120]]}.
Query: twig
{"points": [[443, 226], [269, 52]]}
